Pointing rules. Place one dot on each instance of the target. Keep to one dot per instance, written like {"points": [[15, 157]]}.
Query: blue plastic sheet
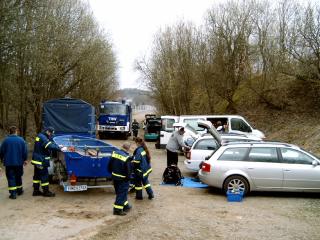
{"points": [[190, 183]]}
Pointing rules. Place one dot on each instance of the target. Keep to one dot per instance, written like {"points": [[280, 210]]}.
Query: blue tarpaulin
{"points": [[69, 116], [190, 183]]}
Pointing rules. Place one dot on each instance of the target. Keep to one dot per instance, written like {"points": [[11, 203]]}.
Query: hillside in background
{"points": [[138, 96]]}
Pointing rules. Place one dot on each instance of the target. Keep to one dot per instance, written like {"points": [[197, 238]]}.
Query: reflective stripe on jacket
{"points": [[42, 150], [119, 165], [140, 162]]}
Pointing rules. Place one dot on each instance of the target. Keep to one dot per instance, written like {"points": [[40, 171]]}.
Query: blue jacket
{"points": [[141, 165], [42, 150], [119, 165], [13, 151]]}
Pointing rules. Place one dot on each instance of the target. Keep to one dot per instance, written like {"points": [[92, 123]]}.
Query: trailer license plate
{"points": [[76, 188]]}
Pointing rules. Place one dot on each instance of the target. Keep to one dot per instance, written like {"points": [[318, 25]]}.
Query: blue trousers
{"points": [[40, 177], [121, 188], [140, 183], [14, 177]]}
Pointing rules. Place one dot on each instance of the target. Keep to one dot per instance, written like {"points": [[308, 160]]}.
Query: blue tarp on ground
{"points": [[190, 183], [69, 116]]}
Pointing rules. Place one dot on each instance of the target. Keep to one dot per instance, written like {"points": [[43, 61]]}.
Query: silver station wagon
{"points": [[261, 166]]}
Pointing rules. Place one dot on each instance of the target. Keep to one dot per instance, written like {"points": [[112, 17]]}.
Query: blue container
{"points": [[79, 162], [234, 196]]}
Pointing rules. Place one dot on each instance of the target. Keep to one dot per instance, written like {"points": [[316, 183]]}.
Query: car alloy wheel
{"points": [[236, 183]]}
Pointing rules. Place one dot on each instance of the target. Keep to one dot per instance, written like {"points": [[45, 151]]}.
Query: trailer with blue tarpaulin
{"points": [[83, 163]]}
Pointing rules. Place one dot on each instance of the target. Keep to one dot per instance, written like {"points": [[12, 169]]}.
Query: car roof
{"points": [[231, 136], [263, 144]]}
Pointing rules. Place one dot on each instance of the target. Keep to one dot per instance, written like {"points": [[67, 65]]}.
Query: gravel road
{"points": [[175, 213]]}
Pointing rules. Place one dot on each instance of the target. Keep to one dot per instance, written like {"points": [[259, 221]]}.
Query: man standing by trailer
{"points": [[14, 154], [43, 147]]}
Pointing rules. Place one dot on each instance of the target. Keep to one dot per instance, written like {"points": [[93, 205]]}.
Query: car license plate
{"points": [[76, 188]]}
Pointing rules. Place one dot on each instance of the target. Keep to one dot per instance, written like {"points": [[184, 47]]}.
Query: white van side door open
{"points": [[167, 129]]}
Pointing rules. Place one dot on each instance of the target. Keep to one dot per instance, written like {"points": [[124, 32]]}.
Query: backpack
{"points": [[172, 175]]}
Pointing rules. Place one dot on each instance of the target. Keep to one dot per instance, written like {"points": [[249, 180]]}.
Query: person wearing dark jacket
{"points": [[14, 154], [43, 147], [135, 128], [119, 166], [142, 169]]}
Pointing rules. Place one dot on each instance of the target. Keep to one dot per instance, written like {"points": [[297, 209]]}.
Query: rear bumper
{"points": [[192, 166]]}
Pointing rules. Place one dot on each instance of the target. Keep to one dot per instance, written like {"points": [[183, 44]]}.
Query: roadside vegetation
{"points": [[260, 59], [50, 49]]}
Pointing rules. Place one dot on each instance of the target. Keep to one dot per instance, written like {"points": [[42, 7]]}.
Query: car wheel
{"points": [[236, 182]]}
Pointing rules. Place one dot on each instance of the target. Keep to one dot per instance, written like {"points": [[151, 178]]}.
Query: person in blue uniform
{"points": [[142, 168], [120, 168], [14, 154], [43, 148]]}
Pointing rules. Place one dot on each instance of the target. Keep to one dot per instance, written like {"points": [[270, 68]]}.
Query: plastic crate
{"points": [[234, 196]]}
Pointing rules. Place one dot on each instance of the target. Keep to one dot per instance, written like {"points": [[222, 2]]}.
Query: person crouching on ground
{"points": [[14, 154], [142, 169], [43, 146], [120, 168]]}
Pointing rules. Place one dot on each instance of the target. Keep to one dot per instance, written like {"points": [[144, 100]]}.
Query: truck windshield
{"points": [[113, 109]]}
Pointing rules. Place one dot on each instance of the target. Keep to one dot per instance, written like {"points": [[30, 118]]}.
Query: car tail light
{"points": [[206, 167], [188, 155]]}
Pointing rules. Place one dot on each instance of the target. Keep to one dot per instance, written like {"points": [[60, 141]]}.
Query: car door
{"points": [[298, 171], [264, 168], [167, 129]]}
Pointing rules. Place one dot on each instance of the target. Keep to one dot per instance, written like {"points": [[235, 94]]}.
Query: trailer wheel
{"points": [[101, 135]]}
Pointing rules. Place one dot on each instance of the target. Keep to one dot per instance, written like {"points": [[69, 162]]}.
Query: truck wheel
{"points": [[52, 179]]}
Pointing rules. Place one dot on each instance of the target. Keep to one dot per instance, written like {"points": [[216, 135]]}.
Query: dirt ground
{"points": [[175, 213]]}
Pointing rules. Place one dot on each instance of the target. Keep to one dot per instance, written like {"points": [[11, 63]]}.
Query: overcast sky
{"points": [[132, 24]]}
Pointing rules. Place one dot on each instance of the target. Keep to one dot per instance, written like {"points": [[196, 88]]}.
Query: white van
{"points": [[235, 124]]}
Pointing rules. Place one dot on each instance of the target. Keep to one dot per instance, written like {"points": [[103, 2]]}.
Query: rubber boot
{"points": [[13, 195], [151, 196], [119, 212], [20, 191], [47, 193], [36, 191], [127, 208]]}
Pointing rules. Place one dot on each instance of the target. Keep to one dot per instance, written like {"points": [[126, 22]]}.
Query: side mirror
{"points": [[315, 163]]}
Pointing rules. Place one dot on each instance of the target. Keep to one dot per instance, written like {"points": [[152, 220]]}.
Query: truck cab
{"points": [[114, 119]]}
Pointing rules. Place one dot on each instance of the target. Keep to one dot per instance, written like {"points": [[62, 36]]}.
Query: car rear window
{"points": [[233, 154], [206, 144]]}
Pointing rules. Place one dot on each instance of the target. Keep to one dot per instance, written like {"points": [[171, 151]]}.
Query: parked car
{"points": [[205, 145], [152, 129], [262, 166], [232, 124]]}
